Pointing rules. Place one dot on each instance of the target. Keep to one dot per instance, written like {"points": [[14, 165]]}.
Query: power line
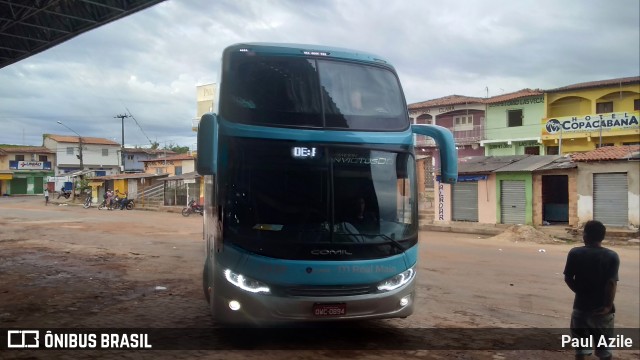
{"points": [[136, 121]]}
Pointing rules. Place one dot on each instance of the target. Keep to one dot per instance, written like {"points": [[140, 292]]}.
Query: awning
{"points": [[6, 176]]}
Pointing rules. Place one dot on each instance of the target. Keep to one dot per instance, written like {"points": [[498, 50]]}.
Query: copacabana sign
{"points": [[589, 123]]}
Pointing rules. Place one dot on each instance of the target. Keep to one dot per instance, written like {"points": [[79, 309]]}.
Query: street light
{"points": [[79, 143], [79, 155]]}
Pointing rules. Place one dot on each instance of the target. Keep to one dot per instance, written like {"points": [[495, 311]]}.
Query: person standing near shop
{"points": [[46, 196], [591, 272]]}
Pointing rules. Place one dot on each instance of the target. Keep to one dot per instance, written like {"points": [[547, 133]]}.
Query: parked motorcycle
{"points": [[88, 202], [193, 208], [127, 203], [64, 193]]}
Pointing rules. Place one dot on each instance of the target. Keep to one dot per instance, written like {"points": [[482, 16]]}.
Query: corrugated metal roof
{"points": [[529, 163], [127, 176], [563, 162], [186, 176], [485, 164]]}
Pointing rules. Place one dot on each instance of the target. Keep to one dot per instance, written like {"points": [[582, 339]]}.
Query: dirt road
{"points": [[69, 267]]}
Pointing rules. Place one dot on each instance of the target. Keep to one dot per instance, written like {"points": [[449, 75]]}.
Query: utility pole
{"points": [[80, 157], [122, 117]]}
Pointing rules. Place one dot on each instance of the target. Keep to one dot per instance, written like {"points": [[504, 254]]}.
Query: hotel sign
{"points": [[591, 123]]}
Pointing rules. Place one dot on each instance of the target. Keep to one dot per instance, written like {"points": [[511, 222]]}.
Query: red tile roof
{"points": [[447, 100], [609, 153], [514, 95], [25, 149], [170, 158], [600, 83], [148, 151], [85, 139]]}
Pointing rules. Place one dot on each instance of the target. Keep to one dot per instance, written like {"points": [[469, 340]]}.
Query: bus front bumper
{"points": [[233, 305]]}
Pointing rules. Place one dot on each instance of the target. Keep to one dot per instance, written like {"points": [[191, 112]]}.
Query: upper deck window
{"points": [[300, 92]]}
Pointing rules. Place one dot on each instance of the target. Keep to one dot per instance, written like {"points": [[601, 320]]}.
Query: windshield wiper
{"points": [[386, 237]]}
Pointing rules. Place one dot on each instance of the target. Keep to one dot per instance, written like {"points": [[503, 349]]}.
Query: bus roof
{"points": [[309, 50]]}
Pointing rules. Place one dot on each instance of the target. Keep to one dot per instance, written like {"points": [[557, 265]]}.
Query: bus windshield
{"points": [[284, 199], [311, 93]]}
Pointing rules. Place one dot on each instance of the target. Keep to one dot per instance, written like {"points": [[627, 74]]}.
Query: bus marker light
{"points": [[234, 305]]}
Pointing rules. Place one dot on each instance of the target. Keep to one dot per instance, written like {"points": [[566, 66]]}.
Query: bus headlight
{"points": [[397, 281], [245, 283]]}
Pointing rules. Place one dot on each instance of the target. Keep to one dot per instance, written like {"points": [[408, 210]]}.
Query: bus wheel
{"points": [[205, 280]]}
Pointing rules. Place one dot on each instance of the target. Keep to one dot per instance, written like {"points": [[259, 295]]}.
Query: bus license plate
{"points": [[326, 310]]}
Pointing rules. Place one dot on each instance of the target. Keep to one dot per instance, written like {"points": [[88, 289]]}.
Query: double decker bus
{"points": [[311, 207]]}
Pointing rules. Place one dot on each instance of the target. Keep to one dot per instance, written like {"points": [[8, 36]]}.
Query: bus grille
{"points": [[318, 291]]}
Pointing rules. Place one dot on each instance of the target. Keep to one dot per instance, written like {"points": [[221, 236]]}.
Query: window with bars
{"points": [[463, 122]]}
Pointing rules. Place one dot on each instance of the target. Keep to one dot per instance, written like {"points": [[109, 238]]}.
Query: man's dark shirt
{"points": [[592, 267]]}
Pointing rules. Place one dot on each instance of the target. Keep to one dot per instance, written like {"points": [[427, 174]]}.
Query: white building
{"points": [[98, 154]]}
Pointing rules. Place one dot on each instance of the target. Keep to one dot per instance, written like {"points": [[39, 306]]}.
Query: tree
{"points": [[177, 148]]}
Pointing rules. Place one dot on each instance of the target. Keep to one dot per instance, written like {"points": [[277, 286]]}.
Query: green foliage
{"points": [[177, 149]]}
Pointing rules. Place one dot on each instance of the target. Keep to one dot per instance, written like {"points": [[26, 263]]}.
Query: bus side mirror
{"points": [[207, 141], [447, 148]]}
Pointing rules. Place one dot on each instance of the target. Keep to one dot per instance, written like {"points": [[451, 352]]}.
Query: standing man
{"points": [[46, 195], [591, 273]]}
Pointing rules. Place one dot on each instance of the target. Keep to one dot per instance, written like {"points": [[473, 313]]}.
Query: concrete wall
{"points": [[442, 202], [496, 121], [487, 200], [585, 187]]}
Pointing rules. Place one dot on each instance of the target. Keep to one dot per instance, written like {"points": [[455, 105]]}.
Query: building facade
{"points": [[134, 158], [608, 185], [512, 124], [172, 165], [463, 115], [25, 169], [97, 154], [585, 116]]}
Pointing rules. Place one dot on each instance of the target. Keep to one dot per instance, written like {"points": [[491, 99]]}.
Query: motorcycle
{"points": [[125, 202], [64, 193], [193, 208], [88, 201]]}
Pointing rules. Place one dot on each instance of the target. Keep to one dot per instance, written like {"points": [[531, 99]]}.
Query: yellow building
{"points": [[583, 117]]}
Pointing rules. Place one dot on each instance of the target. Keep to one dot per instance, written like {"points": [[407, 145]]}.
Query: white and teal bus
{"points": [[310, 187]]}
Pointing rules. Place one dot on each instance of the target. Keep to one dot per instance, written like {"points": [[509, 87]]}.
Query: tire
{"points": [[101, 206], [186, 212], [130, 205], [87, 204]]}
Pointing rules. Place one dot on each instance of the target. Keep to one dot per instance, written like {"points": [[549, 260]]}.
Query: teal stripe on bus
{"points": [[295, 272], [364, 137]]}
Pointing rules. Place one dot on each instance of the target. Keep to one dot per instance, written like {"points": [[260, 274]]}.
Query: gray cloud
{"points": [[151, 62]]}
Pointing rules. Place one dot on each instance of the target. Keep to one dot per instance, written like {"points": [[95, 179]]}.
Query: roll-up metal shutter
{"points": [[465, 201], [38, 187], [18, 186], [513, 202], [610, 199]]}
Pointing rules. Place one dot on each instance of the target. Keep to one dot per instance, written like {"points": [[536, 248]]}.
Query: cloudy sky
{"points": [[151, 62]]}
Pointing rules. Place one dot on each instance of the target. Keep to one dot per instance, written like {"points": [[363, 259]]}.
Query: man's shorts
{"points": [[585, 324]]}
